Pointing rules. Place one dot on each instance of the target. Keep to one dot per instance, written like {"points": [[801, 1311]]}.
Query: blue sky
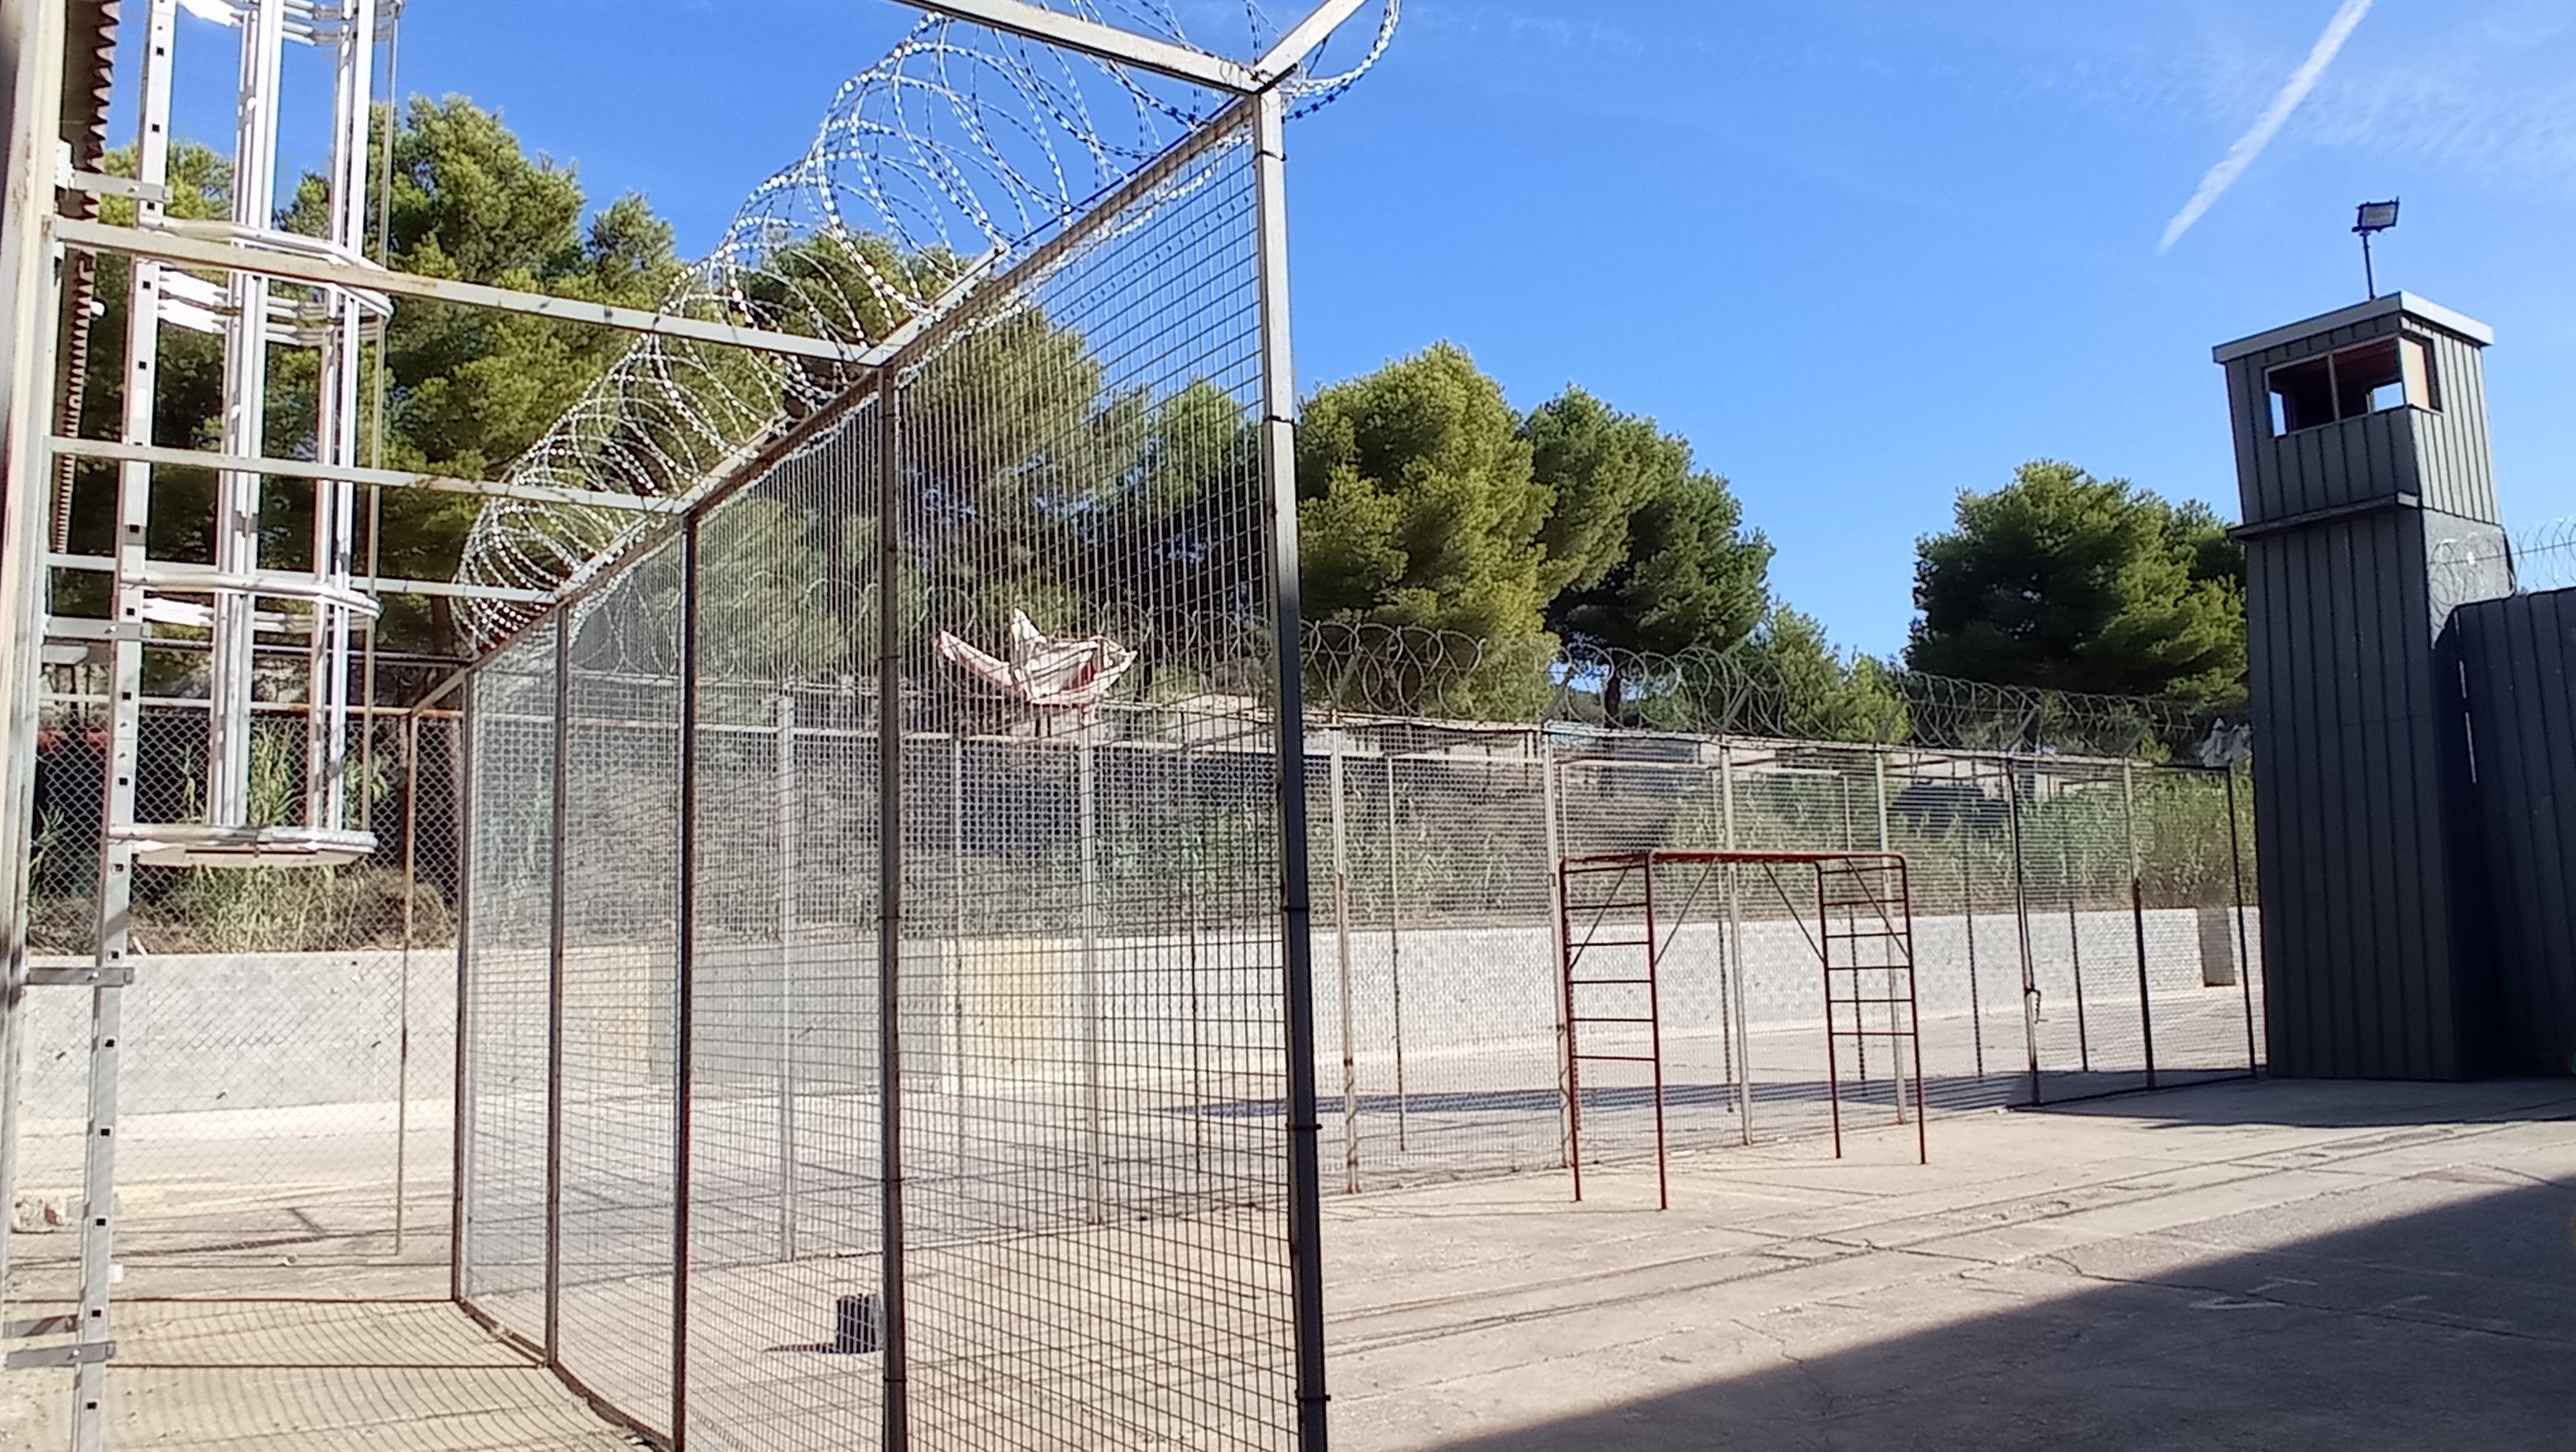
{"points": [[1864, 253]]}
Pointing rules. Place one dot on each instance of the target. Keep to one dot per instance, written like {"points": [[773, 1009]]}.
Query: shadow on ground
{"points": [[2340, 1104], [2454, 1328]]}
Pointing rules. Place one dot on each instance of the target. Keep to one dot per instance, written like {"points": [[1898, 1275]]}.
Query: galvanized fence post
{"points": [[461, 1111], [2075, 954], [402, 995], [555, 988], [2244, 952], [1895, 1055], [2030, 994], [1968, 916], [2138, 919], [1279, 465], [785, 997], [1342, 933], [897, 1424], [1725, 955], [1735, 951], [1395, 945], [1551, 810], [684, 1030]]}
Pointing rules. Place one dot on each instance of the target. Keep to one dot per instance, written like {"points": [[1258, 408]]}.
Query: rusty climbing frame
{"points": [[1634, 925]]}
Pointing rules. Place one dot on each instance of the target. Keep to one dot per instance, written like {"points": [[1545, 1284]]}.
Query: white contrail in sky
{"points": [[2251, 144]]}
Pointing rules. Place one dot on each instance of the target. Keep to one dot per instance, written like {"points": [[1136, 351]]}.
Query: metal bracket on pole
{"points": [[1301, 40], [79, 1353], [86, 975]]}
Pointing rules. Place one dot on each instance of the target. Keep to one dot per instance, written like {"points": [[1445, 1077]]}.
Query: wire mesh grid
{"points": [[1062, 489], [1096, 1252], [618, 960], [286, 1041], [1437, 944], [507, 967], [1435, 951]]}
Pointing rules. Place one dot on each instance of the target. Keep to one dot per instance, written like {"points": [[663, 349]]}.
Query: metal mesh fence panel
{"points": [[1952, 817], [2204, 981], [1096, 1249], [2074, 874], [508, 975], [1435, 947], [1435, 848], [285, 1045], [616, 1051], [783, 1110], [1060, 489]]}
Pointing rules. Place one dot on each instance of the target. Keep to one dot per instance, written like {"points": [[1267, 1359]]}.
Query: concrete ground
{"points": [[2255, 1265], [2249, 1265], [286, 1321]]}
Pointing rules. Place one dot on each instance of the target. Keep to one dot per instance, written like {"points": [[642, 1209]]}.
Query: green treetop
{"points": [[2062, 581]]}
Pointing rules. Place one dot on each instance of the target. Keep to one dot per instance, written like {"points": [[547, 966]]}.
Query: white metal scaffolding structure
{"points": [[324, 294]]}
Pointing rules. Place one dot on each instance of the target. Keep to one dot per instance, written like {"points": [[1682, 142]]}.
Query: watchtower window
{"points": [[2303, 396], [2371, 378]]}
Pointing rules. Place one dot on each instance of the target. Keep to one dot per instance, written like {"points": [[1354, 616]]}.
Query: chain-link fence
{"points": [[653, 857], [1090, 1025], [678, 1065], [287, 1041], [2080, 927]]}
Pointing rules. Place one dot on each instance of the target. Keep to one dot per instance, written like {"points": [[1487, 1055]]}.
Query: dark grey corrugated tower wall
{"points": [[2355, 812], [2517, 667]]}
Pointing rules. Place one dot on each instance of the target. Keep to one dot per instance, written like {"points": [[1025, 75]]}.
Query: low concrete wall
{"points": [[253, 1031], [269, 1031]]}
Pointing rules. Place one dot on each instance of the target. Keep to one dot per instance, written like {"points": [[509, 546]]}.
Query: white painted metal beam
{"points": [[388, 478], [81, 628], [1108, 42], [194, 252], [1309, 33]]}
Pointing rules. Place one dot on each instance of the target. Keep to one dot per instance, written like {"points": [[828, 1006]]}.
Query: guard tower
{"points": [[2370, 515]]}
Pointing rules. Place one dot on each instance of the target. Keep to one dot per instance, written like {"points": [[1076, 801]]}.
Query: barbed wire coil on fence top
{"points": [[1380, 670], [2487, 563], [962, 150]]}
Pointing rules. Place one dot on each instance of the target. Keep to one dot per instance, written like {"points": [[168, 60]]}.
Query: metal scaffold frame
{"points": [[1863, 915]]}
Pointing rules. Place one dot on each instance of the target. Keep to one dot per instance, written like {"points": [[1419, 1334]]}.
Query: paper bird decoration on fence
{"points": [[1061, 674]]}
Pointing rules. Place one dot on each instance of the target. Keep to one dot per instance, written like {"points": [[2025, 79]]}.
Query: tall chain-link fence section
{"points": [[675, 1064], [1094, 1086], [288, 1037], [2080, 927]]}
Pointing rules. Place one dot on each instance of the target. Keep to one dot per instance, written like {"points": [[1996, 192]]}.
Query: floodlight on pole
{"points": [[2372, 219]]}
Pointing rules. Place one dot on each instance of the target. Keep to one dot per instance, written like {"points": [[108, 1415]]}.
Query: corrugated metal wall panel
{"points": [[2518, 665], [2350, 806]]}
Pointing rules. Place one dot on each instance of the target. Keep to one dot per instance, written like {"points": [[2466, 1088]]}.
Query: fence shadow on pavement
{"points": [[2449, 1327]]}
